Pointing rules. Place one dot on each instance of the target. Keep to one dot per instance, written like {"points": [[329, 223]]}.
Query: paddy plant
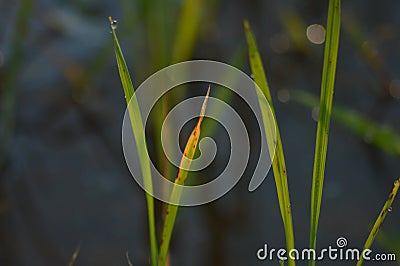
{"points": [[159, 248]]}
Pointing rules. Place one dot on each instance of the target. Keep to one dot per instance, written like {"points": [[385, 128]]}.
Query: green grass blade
{"points": [[187, 31], [383, 137], [327, 88], [382, 215], [172, 210], [140, 140], [278, 163]]}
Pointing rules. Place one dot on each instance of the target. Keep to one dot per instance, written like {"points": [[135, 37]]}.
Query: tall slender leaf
{"points": [[382, 215], [140, 139], [327, 88], [186, 161], [278, 163]]}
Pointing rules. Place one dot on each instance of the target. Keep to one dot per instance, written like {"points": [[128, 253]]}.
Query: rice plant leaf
{"points": [[185, 163], [327, 88], [278, 163], [382, 215], [140, 139], [383, 137]]}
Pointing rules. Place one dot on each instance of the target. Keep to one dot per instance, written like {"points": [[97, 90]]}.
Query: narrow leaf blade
{"points": [[140, 139], [278, 163], [172, 210], [327, 88], [382, 215]]}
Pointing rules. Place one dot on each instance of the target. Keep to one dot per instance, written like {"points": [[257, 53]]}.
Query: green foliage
{"points": [[186, 34], [327, 88], [278, 163], [140, 139], [180, 180], [382, 215]]}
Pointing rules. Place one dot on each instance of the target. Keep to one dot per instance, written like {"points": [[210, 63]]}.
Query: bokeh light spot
{"points": [[283, 95], [394, 89], [316, 33]]}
